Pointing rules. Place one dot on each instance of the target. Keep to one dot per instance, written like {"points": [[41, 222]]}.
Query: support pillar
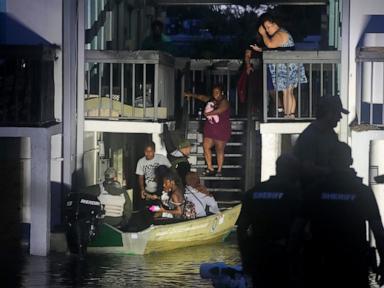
{"points": [[270, 151], [40, 194]]}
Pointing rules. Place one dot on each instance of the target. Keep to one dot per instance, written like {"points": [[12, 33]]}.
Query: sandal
{"points": [[208, 172], [219, 174]]}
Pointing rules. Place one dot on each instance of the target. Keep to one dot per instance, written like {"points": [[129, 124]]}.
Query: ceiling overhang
{"points": [[227, 2]]}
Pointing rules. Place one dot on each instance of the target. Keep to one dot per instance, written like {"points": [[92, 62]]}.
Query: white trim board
{"points": [[283, 128], [122, 126]]}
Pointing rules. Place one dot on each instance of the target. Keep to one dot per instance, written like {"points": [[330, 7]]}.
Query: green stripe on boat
{"points": [[107, 236]]}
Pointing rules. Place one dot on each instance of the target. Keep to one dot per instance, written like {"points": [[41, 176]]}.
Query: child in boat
{"points": [[198, 194], [172, 199]]}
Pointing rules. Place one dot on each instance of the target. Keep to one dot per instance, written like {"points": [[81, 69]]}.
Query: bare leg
{"points": [[207, 145], [286, 101], [219, 146], [292, 104]]}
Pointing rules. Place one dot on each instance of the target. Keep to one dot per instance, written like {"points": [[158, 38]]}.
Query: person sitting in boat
{"points": [[115, 199], [179, 161], [146, 171], [198, 194], [173, 204], [177, 155]]}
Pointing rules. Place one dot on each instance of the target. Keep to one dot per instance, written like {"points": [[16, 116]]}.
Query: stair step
{"points": [[224, 190], [237, 132], [215, 166], [228, 144], [220, 178], [214, 154], [233, 120], [234, 144]]}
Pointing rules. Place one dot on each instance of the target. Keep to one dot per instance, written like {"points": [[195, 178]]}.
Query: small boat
{"points": [[205, 230]]}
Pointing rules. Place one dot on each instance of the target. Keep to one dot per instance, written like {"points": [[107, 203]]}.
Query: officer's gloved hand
{"points": [[380, 274]]}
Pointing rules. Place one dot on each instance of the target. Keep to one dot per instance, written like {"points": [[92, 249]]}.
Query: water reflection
{"points": [[179, 268]]}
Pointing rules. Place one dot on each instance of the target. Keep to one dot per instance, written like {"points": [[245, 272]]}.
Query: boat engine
{"points": [[82, 214]]}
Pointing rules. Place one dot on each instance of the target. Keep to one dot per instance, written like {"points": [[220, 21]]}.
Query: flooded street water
{"points": [[178, 268]]}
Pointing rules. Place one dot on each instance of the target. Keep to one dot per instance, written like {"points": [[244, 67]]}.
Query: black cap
{"points": [[328, 102], [110, 173]]}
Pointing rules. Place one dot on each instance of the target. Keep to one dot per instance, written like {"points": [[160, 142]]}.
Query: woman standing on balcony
{"points": [[285, 77], [217, 127]]}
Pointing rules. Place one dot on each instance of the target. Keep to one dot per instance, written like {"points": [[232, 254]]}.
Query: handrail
{"points": [[142, 89], [209, 71], [370, 54], [321, 69]]}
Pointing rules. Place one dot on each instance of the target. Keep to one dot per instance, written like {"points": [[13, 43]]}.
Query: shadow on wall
{"points": [[12, 32]]}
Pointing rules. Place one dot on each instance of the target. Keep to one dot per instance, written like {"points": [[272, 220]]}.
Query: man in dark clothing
{"points": [[337, 208], [315, 143], [117, 204], [178, 156], [264, 225], [180, 163]]}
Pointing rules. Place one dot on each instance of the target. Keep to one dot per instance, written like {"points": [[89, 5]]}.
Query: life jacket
{"points": [[113, 204]]}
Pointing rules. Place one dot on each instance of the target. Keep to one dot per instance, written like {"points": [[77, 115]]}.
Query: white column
{"points": [[360, 151], [376, 167], [270, 151], [40, 194], [345, 94]]}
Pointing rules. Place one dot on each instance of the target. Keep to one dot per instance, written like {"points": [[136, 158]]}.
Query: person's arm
{"points": [[378, 232], [200, 97], [166, 162], [223, 106], [247, 66], [211, 202], [177, 200], [276, 41], [140, 178], [376, 225], [141, 186]]}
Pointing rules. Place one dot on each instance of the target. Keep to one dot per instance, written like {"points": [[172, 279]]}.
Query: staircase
{"points": [[228, 188]]}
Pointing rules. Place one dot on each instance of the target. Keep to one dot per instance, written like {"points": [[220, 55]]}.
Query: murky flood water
{"points": [[178, 268]]}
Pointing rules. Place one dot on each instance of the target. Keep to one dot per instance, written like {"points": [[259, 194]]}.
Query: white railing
{"points": [[129, 85], [322, 73], [370, 85]]}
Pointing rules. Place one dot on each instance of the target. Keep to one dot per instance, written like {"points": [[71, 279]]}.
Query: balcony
{"points": [[322, 72], [115, 82], [370, 86], [129, 85]]}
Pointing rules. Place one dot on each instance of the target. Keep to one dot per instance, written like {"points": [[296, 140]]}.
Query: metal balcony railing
{"points": [[203, 73], [322, 73], [370, 85], [129, 85]]}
